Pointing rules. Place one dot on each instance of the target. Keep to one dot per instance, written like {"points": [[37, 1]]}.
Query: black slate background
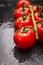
{"points": [[9, 53]]}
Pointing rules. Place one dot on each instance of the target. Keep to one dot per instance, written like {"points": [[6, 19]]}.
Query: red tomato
{"points": [[38, 8], [25, 20], [42, 8], [40, 31], [21, 2], [24, 39], [38, 16], [21, 11]]}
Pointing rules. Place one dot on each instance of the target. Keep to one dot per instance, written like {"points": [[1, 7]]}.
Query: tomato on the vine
{"points": [[42, 9], [22, 2], [40, 31], [21, 11], [38, 16], [25, 20], [37, 8], [24, 38]]}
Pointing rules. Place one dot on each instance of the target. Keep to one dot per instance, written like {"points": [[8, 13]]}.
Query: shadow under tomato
{"points": [[34, 53], [39, 43], [23, 55]]}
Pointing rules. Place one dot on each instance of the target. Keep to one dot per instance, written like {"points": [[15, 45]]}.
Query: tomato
{"points": [[40, 31], [21, 11], [24, 38], [37, 8], [34, 7], [25, 20], [38, 16], [21, 2], [42, 8]]}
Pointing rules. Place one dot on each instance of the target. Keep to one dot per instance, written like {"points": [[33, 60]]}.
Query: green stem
{"points": [[24, 29], [24, 16], [34, 22]]}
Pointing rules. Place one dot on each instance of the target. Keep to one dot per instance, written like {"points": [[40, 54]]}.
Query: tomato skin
{"points": [[36, 17], [26, 22], [40, 32], [18, 13], [21, 2], [24, 40], [34, 8], [42, 9], [24, 0], [37, 8]]}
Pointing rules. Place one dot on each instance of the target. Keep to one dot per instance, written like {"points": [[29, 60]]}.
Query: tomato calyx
{"points": [[38, 7], [23, 7], [25, 29], [40, 14], [24, 16]]}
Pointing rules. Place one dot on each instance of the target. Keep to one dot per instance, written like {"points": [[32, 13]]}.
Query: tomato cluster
{"points": [[28, 24]]}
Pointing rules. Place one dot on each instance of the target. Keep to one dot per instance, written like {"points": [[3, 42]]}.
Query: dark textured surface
{"points": [[9, 53]]}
